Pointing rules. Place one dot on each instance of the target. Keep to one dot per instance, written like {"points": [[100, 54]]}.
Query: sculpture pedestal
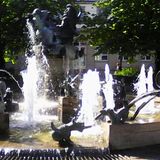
{"points": [[67, 108], [124, 136], [4, 123], [12, 107]]}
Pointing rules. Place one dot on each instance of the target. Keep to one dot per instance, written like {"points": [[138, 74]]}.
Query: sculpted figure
{"points": [[67, 28], [2, 88], [43, 26], [2, 93], [116, 117], [62, 134], [121, 115], [2, 104], [56, 38], [8, 96]]}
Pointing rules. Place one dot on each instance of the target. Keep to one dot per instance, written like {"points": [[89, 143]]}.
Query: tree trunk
{"points": [[120, 62], [157, 61]]}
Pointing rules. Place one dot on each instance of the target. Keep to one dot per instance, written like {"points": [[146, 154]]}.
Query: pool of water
{"points": [[38, 135]]}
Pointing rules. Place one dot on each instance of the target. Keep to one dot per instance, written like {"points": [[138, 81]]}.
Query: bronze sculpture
{"points": [[62, 133], [56, 38]]}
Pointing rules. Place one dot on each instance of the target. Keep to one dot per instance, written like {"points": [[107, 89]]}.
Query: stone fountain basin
{"points": [[143, 131], [125, 136]]}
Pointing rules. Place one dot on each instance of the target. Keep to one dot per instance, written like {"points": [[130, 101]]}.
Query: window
{"points": [[101, 57], [124, 58], [81, 49], [145, 58]]}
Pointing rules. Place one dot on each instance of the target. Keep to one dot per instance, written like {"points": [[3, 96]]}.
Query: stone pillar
{"points": [[68, 108], [4, 123]]}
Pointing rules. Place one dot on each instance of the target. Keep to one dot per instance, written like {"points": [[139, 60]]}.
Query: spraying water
{"points": [[36, 80], [31, 33], [140, 86], [90, 108], [108, 90], [150, 79], [30, 79], [90, 91], [145, 84], [150, 105]]}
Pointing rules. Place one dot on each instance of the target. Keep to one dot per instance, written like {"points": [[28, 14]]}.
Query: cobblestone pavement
{"points": [[143, 153]]}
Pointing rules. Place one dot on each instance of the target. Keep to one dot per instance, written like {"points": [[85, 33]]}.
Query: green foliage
{"points": [[126, 72], [9, 56], [127, 26]]}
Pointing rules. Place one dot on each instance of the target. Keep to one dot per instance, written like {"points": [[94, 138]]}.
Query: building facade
{"points": [[89, 61]]}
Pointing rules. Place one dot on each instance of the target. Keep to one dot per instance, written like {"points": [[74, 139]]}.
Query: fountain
{"points": [[30, 126], [36, 127], [142, 125], [62, 45]]}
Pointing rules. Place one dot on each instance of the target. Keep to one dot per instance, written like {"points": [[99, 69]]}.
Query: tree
{"points": [[125, 27], [13, 29]]}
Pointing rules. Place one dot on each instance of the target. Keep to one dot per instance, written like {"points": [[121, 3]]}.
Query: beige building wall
{"points": [[90, 61], [113, 59]]}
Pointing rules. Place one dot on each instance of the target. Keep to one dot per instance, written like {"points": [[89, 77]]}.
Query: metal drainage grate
{"points": [[56, 154]]}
